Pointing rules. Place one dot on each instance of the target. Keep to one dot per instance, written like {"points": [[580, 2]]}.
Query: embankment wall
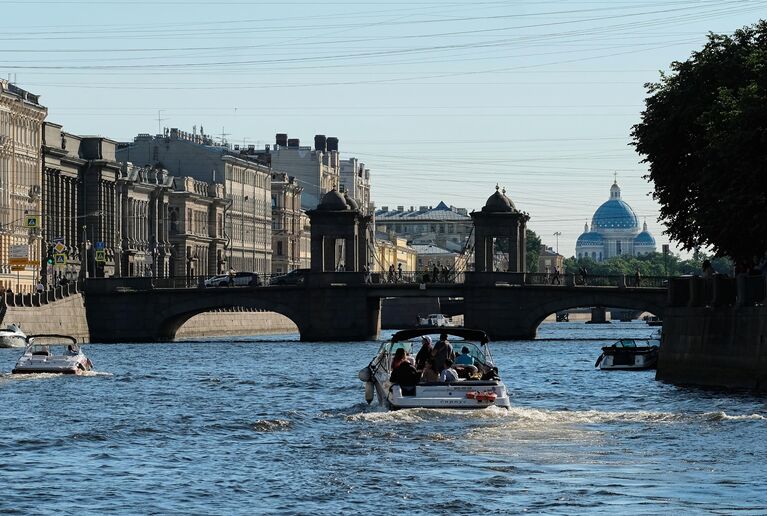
{"points": [[65, 317], [226, 323], [715, 347]]}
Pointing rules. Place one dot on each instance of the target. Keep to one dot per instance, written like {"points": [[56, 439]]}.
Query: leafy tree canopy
{"points": [[533, 249], [704, 135], [653, 264]]}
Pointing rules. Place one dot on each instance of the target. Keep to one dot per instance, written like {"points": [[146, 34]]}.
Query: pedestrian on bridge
{"points": [[637, 277], [555, 276]]}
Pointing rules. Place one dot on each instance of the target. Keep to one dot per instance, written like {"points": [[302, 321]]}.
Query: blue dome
{"points": [[614, 214], [590, 238], [644, 238]]}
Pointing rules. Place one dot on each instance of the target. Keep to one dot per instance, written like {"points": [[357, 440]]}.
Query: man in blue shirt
{"points": [[464, 359]]}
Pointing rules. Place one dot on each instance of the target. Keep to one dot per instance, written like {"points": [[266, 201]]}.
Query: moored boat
{"points": [[630, 354], [478, 385], [58, 354], [434, 321], [12, 337]]}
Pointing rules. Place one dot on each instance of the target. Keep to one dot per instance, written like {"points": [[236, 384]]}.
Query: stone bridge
{"points": [[343, 307]]}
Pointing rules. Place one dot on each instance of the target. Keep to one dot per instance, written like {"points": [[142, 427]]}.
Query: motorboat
{"points": [[477, 387], [630, 354], [52, 354], [434, 321], [12, 337]]}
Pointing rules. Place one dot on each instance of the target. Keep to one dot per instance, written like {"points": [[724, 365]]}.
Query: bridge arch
{"points": [[601, 299], [172, 318]]}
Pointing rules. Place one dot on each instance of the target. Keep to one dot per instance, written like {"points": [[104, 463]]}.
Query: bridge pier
{"points": [[341, 314]]}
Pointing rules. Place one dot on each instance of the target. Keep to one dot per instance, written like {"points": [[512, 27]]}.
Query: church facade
{"points": [[614, 231]]}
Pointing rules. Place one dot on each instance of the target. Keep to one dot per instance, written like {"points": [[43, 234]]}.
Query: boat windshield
{"points": [[479, 352], [626, 343]]}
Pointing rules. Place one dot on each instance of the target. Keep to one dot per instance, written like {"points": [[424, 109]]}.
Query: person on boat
{"points": [[448, 374], [404, 372], [443, 351], [465, 358], [429, 374], [399, 356], [424, 354]]}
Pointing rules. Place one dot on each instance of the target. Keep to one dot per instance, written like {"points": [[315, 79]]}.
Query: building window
{"points": [[279, 248]]}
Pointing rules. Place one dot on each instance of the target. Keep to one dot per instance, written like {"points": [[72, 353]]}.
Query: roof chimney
{"points": [[332, 144], [294, 142], [320, 142], [282, 139]]}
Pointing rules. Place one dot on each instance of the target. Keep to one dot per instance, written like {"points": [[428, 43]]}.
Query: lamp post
{"points": [[557, 234]]}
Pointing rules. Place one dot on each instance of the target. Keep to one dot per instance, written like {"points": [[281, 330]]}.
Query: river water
{"points": [[273, 425]]}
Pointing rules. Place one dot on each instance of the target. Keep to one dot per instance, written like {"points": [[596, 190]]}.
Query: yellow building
{"points": [[21, 120], [391, 250]]}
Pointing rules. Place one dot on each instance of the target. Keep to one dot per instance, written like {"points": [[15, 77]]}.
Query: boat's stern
{"points": [[458, 395]]}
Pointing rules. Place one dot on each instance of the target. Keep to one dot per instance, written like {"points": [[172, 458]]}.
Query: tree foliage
{"points": [[533, 250], [704, 135], [653, 264]]}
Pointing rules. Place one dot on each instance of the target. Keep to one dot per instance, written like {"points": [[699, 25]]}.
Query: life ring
{"points": [[471, 395]]}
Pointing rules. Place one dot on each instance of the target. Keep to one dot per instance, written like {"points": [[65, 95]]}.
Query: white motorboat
{"points": [[630, 354], [12, 337], [480, 388], [434, 321], [62, 355]]}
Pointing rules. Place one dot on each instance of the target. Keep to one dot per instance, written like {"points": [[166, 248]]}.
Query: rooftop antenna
{"points": [[223, 136], [160, 120]]}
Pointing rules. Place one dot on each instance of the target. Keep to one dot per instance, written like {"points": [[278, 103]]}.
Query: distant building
{"points": [[291, 237], [21, 119], [548, 259], [392, 250], [444, 226], [355, 182], [247, 189], [614, 231], [196, 228], [318, 171], [429, 255]]}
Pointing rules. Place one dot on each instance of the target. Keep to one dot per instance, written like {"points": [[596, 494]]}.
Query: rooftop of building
{"points": [[430, 249], [441, 212]]}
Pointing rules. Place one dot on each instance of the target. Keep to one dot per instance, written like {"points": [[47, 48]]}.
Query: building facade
{"points": [[291, 237], [196, 228], [355, 182], [247, 188], [614, 231], [317, 170], [549, 260], [392, 251], [444, 226], [21, 119]]}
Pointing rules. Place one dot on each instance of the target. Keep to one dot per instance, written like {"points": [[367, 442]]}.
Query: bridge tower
{"points": [[339, 235], [500, 226]]}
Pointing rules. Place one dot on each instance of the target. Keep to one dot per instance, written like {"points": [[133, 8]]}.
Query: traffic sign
{"points": [[59, 247], [17, 268], [101, 256], [99, 246], [32, 221], [60, 259]]}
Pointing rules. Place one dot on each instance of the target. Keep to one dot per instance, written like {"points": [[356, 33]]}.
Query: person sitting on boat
{"points": [[404, 373], [399, 356], [424, 354], [465, 364], [443, 351], [72, 349], [448, 374], [429, 374]]}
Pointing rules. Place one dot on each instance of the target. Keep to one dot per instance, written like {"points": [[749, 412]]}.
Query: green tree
{"points": [[652, 264], [533, 250], [704, 135]]}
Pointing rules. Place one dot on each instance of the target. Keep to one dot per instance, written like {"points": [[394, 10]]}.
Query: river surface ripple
{"points": [[273, 425]]}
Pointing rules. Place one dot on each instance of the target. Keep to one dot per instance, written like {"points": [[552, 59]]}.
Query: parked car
{"points": [[241, 279], [294, 277]]}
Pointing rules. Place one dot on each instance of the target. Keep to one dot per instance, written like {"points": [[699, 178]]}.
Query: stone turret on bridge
{"points": [[339, 235], [500, 226]]}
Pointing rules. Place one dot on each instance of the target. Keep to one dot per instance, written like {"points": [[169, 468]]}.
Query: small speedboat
{"points": [[12, 337], [478, 386], [434, 321], [630, 354], [61, 356]]}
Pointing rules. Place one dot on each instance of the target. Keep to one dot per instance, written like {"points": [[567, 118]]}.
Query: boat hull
{"points": [[52, 365], [623, 360], [454, 395], [13, 341]]}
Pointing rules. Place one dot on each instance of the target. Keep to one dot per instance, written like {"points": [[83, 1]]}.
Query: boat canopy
{"points": [[55, 336], [464, 333]]}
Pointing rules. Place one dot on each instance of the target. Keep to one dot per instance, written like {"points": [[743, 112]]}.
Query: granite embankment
{"points": [[67, 317]]}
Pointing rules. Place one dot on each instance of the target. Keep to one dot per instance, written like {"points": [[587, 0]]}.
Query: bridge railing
{"points": [[573, 280], [415, 277]]}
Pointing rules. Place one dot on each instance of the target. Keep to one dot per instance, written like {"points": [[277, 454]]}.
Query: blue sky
{"points": [[442, 100]]}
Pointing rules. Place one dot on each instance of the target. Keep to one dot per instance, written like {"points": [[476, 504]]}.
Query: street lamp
{"points": [[557, 234]]}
